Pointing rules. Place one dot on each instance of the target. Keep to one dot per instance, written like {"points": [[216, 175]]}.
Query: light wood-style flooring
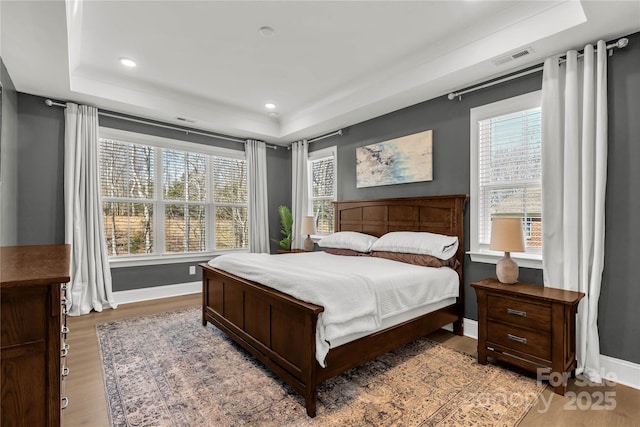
{"points": [[87, 406]]}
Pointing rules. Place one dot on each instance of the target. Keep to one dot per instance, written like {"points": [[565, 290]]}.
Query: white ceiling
{"points": [[329, 64]]}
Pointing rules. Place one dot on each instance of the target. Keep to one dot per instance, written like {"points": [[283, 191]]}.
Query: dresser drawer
{"points": [[518, 312], [23, 316], [524, 340]]}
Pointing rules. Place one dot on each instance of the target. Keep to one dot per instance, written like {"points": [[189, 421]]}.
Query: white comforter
{"points": [[356, 292]]}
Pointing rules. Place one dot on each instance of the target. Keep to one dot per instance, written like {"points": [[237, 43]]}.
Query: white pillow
{"points": [[348, 240], [414, 242]]}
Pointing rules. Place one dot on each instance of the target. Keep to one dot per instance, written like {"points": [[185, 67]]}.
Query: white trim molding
{"points": [[470, 328], [479, 251], [492, 257], [620, 371], [157, 292]]}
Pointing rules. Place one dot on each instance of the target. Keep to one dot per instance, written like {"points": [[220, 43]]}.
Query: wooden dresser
{"points": [[33, 281], [530, 326]]}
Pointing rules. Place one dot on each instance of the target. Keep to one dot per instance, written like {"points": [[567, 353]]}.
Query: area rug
{"points": [[169, 370]]}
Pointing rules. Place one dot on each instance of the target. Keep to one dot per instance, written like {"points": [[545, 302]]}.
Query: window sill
{"points": [[492, 257], [143, 260]]}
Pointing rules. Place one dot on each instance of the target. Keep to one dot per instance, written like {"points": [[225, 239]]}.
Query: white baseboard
{"points": [[470, 328], [156, 292], [620, 371], [617, 370]]}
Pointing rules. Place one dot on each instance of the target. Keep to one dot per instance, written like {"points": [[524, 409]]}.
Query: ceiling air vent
{"points": [[513, 55]]}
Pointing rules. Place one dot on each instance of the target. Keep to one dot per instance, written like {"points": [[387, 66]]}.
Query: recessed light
{"points": [[266, 31], [128, 62], [270, 105]]}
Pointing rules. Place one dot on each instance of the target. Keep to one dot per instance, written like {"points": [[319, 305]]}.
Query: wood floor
{"points": [[87, 402]]}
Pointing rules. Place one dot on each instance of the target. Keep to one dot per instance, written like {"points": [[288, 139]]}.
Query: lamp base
{"points": [[308, 244], [507, 270]]}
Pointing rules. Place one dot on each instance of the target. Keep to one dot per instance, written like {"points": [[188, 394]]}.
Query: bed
{"points": [[280, 330]]}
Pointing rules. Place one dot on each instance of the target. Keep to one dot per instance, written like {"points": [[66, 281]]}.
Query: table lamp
{"points": [[308, 228], [506, 235]]}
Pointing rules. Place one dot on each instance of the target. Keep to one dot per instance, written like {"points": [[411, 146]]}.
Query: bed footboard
{"points": [[275, 328]]}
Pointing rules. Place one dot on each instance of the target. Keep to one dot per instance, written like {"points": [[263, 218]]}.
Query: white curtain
{"points": [[90, 273], [574, 176], [256, 152], [299, 190]]}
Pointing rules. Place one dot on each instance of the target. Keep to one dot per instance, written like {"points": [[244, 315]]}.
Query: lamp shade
{"points": [[308, 225], [506, 235]]}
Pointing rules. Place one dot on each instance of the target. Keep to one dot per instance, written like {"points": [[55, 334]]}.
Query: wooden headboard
{"points": [[435, 214]]}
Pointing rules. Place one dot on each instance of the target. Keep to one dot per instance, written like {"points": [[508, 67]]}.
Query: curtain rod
{"points": [[318, 138], [188, 131], [623, 42]]}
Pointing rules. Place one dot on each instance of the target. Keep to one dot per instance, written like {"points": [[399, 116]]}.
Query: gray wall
{"points": [[8, 160], [40, 172], [620, 294], [40, 205], [449, 120]]}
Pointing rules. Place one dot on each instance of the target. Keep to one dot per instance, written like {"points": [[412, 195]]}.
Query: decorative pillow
{"points": [[418, 259], [348, 240], [415, 242], [345, 252]]}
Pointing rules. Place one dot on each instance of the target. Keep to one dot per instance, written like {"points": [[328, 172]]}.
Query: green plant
{"points": [[286, 227]]}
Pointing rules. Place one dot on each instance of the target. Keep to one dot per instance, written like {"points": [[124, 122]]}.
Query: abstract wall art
{"points": [[396, 161]]}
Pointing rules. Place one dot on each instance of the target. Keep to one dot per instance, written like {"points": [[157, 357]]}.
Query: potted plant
{"points": [[286, 228]]}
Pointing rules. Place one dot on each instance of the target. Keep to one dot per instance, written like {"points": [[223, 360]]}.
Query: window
{"points": [[506, 174], [322, 187], [164, 197]]}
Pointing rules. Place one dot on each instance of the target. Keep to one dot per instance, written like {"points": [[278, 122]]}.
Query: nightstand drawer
{"points": [[521, 313], [527, 325], [526, 341]]}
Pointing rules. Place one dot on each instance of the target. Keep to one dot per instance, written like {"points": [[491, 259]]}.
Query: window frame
{"points": [[159, 204], [314, 156], [479, 252]]}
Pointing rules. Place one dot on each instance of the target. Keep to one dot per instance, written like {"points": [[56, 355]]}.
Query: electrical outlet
{"points": [[192, 269]]}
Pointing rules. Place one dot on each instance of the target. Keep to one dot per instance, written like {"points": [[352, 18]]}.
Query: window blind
{"points": [[510, 172], [323, 193], [127, 189], [163, 200], [229, 178]]}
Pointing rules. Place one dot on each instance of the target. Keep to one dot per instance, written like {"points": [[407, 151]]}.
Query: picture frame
{"points": [[396, 161]]}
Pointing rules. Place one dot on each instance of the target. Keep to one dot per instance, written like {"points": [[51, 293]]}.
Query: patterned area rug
{"points": [[169, 370]]}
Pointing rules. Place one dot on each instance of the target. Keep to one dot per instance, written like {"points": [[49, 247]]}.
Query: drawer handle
{"points": [[65, 402], [517, 339], [517, 312]]}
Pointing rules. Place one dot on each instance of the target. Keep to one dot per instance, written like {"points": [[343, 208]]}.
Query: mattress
{"points": [[399, 286], [359, 294]]}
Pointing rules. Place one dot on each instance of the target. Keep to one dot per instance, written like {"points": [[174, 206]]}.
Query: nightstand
{"points": [[529, 326]]}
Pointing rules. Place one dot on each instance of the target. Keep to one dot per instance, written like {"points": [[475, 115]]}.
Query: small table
{"points": [[529, 326]]}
